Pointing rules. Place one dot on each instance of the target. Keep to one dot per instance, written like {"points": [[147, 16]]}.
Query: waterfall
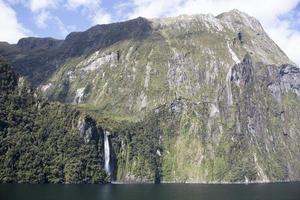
{"points": [[106, 153]]}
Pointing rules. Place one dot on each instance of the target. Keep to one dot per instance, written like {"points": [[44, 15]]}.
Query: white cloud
{"points": [[43, 12], [121, 8], [101, 17], [42, 9], [61, 26], [92, 9], [151, 8], [45, 17], [38, 5], [157, 8], [90, 4], [267, 12], [288, 39], [11, 29], [41, 19]]}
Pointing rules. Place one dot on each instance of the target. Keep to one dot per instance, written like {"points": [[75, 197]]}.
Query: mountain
{"points": [[193, 98], [137, 65]]}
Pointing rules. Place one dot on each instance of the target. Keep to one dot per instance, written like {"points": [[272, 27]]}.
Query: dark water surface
{"points": [[274, 191]]}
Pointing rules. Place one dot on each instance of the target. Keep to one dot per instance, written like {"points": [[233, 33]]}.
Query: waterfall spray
{"points": [[107, 153]]}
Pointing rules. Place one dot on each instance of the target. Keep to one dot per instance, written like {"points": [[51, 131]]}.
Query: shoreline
{"points": [[205, 182], [165, 183]]}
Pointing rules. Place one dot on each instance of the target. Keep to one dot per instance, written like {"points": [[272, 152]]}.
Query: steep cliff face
{"points": [[184, 99], [186, 56], [255, 137]]}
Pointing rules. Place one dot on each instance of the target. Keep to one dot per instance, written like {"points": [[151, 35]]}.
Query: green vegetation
{"points": [[39, 141]]}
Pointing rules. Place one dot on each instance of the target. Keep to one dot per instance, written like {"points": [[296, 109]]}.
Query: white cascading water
{"points": [[106, 153]]}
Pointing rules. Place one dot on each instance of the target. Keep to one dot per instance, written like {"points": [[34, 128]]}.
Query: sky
{"points": [[57, 18]]}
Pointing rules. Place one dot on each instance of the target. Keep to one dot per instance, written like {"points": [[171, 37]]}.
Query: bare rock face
{"points": [[88, 130], [284, 79], [290, 79], [242, 74]]}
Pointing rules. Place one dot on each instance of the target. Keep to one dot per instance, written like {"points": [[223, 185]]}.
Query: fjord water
{"points": [[274, 191]]}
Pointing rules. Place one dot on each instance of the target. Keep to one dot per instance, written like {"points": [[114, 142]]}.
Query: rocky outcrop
{"points": [[88, 130], [242, 74], [290, 79], [285, 78]]}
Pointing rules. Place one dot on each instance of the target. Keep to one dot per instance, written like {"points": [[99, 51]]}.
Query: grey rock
{"points": [[87, 129]]}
